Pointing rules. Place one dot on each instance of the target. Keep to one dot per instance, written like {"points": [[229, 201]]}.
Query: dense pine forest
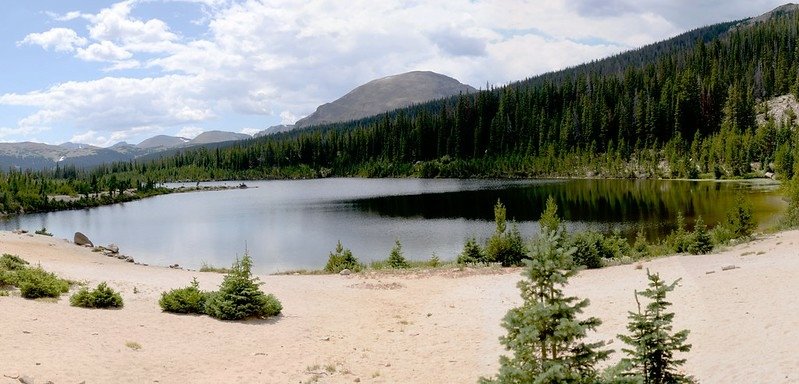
{"points": [[682, 108]]}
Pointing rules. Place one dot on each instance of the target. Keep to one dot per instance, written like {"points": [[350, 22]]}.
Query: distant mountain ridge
{"points": [[39, 156]]}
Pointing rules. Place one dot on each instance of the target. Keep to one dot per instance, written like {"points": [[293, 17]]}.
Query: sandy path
{"points": [[382, 328]]}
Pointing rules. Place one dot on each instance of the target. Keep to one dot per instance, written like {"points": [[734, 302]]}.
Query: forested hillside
{"points": [[672, 109], [684, 107]]}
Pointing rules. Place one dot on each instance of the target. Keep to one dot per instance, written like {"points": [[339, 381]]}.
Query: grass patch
{"points": [[133, 345], [43, 232], [210, 268]]}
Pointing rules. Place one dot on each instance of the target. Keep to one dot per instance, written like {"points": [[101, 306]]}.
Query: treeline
{"points": [[44, 191], [687, 112]]}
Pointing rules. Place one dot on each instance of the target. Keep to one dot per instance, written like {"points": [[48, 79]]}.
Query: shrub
{"points": [[641, 246], [12, 262], [720, 234], [342, 259], [101, 297], [739, 218], [434, 261], [43, 231], [614, 246], [184, 300], [505, 247], [36, 282], [701, 241], [586, 249], [472, 253], [396, 259], [549, 220], [239, 296], [679, 239]]}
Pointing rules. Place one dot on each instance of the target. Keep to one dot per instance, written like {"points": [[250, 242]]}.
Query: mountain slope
{"points": [[163, 141], [38, 156], [385, 94], [218, 137]]}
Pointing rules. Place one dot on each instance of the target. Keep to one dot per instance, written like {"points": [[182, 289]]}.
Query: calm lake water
{"points": [[295, 224]]}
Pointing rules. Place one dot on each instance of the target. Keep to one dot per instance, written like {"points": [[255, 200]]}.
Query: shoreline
{"points": [[386, 328]]}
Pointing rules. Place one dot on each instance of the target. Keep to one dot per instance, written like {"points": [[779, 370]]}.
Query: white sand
{"points": [[442, 328]]}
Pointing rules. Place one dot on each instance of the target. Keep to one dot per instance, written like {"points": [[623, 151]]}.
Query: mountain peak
{"points": [[776, 12], [386, 94]]}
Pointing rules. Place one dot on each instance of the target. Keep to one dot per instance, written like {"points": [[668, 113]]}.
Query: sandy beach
{"points": [[423, 327]]}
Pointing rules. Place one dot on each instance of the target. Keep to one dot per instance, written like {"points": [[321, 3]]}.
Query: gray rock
{"points": [[113, 248], [345, 272], [81, 239], [25, 379]]}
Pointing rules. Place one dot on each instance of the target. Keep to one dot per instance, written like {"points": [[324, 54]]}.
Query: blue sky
{"points": [[100, 72]]}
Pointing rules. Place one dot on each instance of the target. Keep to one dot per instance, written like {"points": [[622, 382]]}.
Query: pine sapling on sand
{"points": [[396, 260], [651, 356], [544, 334]]}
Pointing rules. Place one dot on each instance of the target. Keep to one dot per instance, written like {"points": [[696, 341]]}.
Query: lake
{"points": [[294, 224]]}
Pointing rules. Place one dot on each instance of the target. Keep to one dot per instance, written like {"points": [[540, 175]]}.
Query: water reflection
{"points": [[294, 224]]}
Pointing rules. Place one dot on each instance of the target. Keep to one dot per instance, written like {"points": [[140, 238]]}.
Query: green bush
{"points": [[36, 282], [434, 261], [396, 260], [641, 246], [101, 297], [721, 234], [614, 246], [701, 242], [739, 218], [586, 249], [679, 239], [342, 259], [239, 296], [12, 262], [43, 231], [505, 247], [184, 300], [472, 253]]}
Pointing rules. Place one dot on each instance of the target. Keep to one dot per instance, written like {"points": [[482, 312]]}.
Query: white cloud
{"points": [[250, 131], [72, 15], [59, 39], [114, 103], [103, 51], [115, 24], [288, 118], [189, 132], [27, 130]]}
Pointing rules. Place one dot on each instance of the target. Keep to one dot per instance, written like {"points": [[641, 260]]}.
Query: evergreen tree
{"points": [[651, 356], [739, 218], [505, 247], [239, 296], [544, 334], [549, 218], [341, 259], [396, 259], [701, 242], [472, 253]]}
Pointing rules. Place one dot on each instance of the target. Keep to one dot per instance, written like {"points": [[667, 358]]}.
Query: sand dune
{"points": [[440, 327]]}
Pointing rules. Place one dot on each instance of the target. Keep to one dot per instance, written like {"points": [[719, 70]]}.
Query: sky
{"points": [[101, 72]]}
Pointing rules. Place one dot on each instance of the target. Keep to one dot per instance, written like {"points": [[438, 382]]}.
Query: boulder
{"points": [[113, 248], [345, 272], [81, 239]]}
